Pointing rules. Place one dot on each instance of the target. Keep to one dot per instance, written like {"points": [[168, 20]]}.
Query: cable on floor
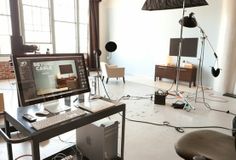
{"points": [[179, 129]]}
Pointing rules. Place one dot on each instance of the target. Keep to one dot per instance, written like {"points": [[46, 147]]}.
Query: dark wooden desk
{"points": [[169, 72], [35, 137]]}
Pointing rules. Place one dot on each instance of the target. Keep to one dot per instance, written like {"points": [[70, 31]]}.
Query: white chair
{"points": [[112, 71]]}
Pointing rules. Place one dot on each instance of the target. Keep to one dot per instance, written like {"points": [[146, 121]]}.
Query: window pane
{"points": [[64, 10], [83, 11], [38, 3], [65, 35], [31, 36], [83, 38], [5, 25], [36, 21], [5, 45], [4, 7]]}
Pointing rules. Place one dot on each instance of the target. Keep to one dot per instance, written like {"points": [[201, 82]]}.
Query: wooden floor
{"points": [[142, 141]]}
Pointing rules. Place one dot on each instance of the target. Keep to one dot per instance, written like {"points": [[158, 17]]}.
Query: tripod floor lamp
{"points": [[191, 22], [152, 5]]}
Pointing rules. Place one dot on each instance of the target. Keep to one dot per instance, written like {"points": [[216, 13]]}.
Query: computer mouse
{"points": [[42, 113]]}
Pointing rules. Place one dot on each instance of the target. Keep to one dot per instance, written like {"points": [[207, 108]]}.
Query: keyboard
{"points": [[56, 119]]}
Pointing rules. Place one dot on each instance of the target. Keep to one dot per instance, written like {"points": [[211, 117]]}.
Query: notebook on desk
{"points": [[96, 105]]}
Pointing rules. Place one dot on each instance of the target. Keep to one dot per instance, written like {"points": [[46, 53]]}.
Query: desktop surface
{"points": [[15, 118], [26, 127]]}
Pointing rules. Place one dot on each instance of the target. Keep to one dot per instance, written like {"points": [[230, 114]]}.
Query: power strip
{"points": [[70, 157]]}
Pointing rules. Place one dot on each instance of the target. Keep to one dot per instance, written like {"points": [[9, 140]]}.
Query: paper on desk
{"points": [[96, 105]]}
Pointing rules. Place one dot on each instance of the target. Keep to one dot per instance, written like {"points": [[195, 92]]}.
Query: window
{"points": [[84, 26], [36, 23], [5, 31], [65, 21], [58, 25]]}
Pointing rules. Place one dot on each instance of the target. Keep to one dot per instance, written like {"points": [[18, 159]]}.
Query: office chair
{"points": [[207, 145]]}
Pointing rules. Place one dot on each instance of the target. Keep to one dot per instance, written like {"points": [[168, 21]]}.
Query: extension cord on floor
{"points": [[70, 157]]}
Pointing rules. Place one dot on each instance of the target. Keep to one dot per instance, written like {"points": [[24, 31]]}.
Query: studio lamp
{"points": [[191, 22], [151, 5]]}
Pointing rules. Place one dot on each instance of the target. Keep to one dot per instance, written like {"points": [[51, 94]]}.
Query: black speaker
{"points": [[215, 72], [111, 46]]}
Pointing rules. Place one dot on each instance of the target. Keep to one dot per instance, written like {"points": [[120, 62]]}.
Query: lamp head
{"points": [[215, 72], [189, 21]]}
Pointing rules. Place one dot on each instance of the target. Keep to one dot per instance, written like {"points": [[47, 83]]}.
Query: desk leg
{"points": [[35, 150], [9, 146], [123, 135]]}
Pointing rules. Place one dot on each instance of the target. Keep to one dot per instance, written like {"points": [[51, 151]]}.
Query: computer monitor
{"points": [[189, 47], [43, 78]]}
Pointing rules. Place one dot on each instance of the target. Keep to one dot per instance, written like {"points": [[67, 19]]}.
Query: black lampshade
{"points": [[189, 21], [151, 5]]}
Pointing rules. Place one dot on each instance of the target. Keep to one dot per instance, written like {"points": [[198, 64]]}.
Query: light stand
{"points": [[173, 4], [180, 52], [201, 60], [98, 76], [191, 22]]}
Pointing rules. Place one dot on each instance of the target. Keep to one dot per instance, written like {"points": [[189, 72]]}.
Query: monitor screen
{"points": [[42, 78], [67, 68], [189, 47]]}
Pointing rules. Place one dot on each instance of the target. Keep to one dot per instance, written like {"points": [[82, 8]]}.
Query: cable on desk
{"points": [[78, 150]]}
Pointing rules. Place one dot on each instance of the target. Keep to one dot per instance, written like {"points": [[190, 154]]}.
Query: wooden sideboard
{"points": [[170, 72]]}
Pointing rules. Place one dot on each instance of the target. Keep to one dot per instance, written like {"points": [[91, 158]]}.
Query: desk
{"points": [[186, 74], [35, 137]]}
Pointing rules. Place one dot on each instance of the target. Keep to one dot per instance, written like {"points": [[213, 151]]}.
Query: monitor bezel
{"points": [[53, 96]]}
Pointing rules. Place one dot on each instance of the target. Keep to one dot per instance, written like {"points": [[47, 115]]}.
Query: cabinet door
{"points": [[166, 72], [185, 74]]}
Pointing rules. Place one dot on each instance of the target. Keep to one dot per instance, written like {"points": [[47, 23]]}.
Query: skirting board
{"points": [[230, 95]]}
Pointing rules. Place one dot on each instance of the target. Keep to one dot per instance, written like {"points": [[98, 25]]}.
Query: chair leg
{"points": [[107, 80], [102, 78], [123, 79]]}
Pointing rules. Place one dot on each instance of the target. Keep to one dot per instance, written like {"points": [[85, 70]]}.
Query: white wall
{"points": [[142, 37], [227, 39]]}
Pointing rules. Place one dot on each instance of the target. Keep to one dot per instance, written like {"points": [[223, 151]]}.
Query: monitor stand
{"points": [[55, 106]]}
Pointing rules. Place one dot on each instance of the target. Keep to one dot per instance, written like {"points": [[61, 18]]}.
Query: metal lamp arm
{"points": [[206, 37]]}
